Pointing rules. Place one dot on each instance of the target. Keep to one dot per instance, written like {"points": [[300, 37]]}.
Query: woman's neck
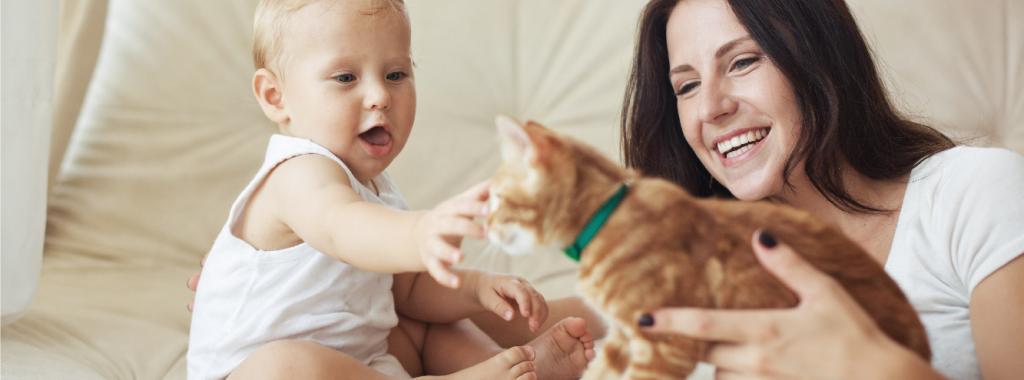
{"points": [[873, 231]]}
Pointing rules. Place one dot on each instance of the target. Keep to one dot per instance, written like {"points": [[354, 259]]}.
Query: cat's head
{"points": [[537, 192]]}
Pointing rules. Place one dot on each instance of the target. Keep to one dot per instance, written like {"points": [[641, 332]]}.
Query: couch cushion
{"points": [[959, 68]]}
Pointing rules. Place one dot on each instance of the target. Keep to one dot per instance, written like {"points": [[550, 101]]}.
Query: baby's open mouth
{"points": [[376, 136]]}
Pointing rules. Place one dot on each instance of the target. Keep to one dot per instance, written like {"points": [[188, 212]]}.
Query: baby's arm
{"points": [[314, 199], [420, 297]]}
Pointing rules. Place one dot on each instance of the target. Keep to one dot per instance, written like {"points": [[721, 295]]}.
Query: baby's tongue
{"points": [[376, 136]]}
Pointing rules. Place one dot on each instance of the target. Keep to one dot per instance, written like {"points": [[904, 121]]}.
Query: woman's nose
{"points": [[716, 102]]}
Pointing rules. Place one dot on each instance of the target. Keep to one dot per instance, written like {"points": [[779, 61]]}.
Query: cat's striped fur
{"points": [[663, 247]]}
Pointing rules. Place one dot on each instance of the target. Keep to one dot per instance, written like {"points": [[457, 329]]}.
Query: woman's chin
{"points": [[748, 190]]}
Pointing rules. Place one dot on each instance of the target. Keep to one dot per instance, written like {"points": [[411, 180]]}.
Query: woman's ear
{"points": [[267, 89]]}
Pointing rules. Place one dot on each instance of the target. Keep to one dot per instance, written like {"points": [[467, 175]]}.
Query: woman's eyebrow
{"points": [[718, 54]]}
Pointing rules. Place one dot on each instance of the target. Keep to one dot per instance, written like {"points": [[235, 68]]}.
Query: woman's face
{"points": [[737, 110]]}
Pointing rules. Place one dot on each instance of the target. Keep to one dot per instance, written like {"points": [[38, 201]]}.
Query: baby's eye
{"points": [[744, 63], [396, 76], [345, 78], [687, 88]]}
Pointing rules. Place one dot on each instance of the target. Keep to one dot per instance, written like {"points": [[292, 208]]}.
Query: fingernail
{"points": [[646, 320], [508, 315], [767, 240], [454, 282]]}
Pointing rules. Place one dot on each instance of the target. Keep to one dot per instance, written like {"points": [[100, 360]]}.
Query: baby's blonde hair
{"points": [[272, 16]]}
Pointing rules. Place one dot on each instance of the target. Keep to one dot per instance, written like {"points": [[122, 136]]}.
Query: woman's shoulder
{"points": [[962, 185], [971, 166], [970, 204]]}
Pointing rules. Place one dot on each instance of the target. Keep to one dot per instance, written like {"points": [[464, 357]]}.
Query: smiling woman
{"points": [[782, 101]]}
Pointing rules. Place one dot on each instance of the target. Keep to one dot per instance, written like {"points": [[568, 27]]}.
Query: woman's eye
{"points": [[744, 63], [345, 78], [686, 88], [396, 76]]}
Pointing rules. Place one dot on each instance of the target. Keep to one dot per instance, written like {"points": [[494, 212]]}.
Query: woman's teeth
{"points": [[740, 144]]}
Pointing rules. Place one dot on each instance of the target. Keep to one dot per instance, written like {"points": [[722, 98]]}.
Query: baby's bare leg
{"points": [[458, 351], [451, 347], [439, 349], [405, 342], [298, 359], [514, 333]]}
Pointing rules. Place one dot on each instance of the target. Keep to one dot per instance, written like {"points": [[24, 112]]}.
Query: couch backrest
{"points": [[169, 132]]}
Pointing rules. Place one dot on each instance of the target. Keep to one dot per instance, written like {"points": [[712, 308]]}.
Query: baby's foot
{"points": [[515, 363], [564, 350]]}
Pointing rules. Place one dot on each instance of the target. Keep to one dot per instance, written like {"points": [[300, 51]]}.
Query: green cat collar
{"points": [[594, 225]]}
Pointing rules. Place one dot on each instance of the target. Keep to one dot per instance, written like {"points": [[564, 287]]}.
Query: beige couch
{"points": [[163, 133]]}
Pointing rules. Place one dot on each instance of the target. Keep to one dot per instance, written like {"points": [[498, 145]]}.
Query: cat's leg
{"points": [[661, 357], [612, 358]]}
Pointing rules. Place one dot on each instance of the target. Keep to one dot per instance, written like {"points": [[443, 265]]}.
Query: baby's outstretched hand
{"points": [[441, 230], [498, 292]]}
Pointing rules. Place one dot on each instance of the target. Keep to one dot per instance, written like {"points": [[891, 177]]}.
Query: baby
{"points": [[318, 251]]}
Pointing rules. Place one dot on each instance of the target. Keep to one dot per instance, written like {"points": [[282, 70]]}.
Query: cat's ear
{"points": [[515, 142]]}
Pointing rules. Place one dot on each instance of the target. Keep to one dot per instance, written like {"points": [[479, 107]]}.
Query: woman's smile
{"points": [[736, 147]]}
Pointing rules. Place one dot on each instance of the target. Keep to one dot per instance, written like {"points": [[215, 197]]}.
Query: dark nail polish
{"points": [[767, 239], [646, 320]]}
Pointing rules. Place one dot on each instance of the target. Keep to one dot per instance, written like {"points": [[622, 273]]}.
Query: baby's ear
{"points": [[266, 88], [515, 142]]}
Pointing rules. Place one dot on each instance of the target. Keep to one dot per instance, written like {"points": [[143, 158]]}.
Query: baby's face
{"points": [[347, 82]]}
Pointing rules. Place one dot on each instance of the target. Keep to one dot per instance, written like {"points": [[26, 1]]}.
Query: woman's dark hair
{"points": [[845, 113]]}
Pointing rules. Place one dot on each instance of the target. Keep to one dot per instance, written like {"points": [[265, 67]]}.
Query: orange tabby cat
{"points": [[663, 247]]}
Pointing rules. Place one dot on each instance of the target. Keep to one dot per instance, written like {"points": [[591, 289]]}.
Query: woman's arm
{"points": [[826, 336], [997, 306]]}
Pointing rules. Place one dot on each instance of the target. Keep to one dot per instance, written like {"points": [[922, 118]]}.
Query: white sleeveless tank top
{"points": [[248, 297]]}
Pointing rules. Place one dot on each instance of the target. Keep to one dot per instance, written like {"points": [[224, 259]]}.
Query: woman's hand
{"points": [[827, 336], [193, 283]]}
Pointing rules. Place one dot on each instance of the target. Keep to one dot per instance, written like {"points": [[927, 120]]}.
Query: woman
{"points": [[780, 100]]}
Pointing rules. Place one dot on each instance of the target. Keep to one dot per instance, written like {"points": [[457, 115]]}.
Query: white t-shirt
{"points": [[962, 219]]}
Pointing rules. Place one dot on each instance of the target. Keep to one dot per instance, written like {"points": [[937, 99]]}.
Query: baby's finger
{"points": [[500, 306], [442, 274], [518, 290], [540, 310], [479, 191], [445, 251], [469, 208], [460, 227]]}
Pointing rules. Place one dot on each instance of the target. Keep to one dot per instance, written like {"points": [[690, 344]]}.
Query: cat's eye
{"points": [[345, 78]]}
